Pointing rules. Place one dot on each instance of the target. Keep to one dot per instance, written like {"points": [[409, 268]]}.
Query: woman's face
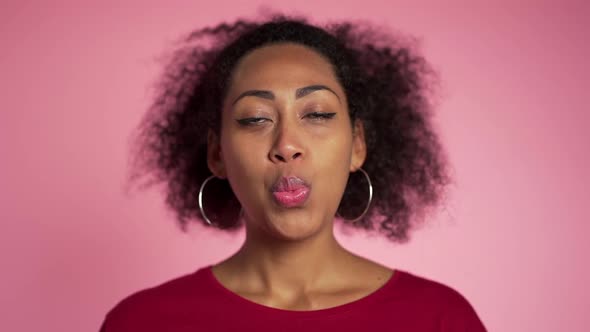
{"points": [[287, 144]]}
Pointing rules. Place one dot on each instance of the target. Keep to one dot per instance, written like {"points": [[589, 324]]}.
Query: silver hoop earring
{"points": [[368, 203], [201, 199]]}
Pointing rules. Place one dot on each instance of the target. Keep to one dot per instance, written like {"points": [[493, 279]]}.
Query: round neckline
{"points": [[345, 307]]}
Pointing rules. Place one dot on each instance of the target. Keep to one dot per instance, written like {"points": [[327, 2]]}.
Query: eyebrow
{"points": [[299, 93]]}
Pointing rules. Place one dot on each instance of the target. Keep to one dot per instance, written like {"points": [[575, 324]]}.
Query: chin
{"points": [[293, 226]]}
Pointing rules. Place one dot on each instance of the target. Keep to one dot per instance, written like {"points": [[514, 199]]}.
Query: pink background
{"points": [[74, 81]]}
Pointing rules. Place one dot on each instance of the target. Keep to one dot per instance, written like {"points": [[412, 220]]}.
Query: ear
{"points": [[214, 159], [359, 146]]}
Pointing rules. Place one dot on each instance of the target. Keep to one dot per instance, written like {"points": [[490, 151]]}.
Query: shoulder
{"points": [[430, 297], [147, 306], [427, 288]]}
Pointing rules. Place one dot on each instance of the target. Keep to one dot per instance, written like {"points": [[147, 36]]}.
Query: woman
{"points": [[279, 127]]}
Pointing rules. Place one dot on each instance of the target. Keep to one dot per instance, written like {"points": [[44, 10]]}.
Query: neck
{"points": [[273, 265]]}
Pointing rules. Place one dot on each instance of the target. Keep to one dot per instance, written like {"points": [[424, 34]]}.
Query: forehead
{"points": [[282, 64]]}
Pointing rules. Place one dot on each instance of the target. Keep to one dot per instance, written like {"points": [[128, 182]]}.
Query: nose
{"points": [[287, 146]]}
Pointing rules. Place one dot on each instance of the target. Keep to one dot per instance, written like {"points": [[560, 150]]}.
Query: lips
{"points": [[290, 191]]}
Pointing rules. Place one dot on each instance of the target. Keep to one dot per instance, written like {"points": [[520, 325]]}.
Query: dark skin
{"points": [[290, 258]]}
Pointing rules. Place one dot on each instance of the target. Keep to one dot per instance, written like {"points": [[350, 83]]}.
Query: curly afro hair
{"points": [[387, 85]]}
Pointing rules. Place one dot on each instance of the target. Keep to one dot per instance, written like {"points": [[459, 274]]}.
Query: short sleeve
{"points": [[460, 316], [103, 326], [107, 323], [122, 317]]}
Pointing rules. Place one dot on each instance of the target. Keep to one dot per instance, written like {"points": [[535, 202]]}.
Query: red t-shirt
{"points": [[199, 302]]}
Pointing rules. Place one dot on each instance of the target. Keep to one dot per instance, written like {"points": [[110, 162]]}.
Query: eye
{"points": [[251, 121], [320, 115]]}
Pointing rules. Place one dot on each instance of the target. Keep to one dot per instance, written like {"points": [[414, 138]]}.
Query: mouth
{"points": [[290, 191]]}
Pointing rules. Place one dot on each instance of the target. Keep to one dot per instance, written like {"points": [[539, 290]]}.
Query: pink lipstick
{"points": [[290, 191]]}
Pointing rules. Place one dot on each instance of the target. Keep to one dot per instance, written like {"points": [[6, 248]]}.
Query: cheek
{"points": [[240, 157], [234, 151], [335, 150], [244, 164], [333, 161]]}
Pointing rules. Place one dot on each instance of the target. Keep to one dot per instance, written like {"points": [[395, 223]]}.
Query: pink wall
{"points": [[74, 82]]}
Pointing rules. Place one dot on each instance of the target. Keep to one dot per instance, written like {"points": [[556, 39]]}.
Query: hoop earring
{"points": [[201, 201], [368, 203]]}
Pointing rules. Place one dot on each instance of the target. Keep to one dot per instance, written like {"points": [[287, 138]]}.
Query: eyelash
{"points": [[322, 115], [319, 116], [250, 121]]}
